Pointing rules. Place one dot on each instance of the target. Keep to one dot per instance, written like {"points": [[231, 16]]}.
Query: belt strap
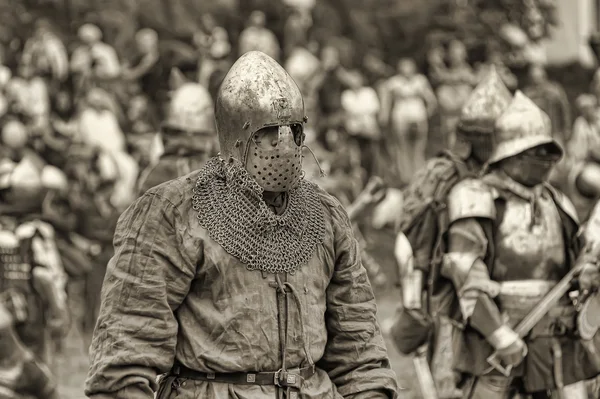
{"points": [[281, 378]]}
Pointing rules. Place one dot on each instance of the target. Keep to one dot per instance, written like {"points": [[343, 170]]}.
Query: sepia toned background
{"points": [[85, 82]]}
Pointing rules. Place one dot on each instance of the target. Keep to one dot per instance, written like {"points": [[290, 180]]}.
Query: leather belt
{"points": [[291, 378]]}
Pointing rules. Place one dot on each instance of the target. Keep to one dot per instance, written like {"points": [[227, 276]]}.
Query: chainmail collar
{"points": [[231, 208]]}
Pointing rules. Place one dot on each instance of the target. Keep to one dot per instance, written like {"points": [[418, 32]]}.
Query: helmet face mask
{"points": [[532, 166], [274, 157]]}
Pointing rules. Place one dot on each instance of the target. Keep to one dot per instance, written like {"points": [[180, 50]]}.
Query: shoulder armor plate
{"points": [[564, 203], [471, 198]]}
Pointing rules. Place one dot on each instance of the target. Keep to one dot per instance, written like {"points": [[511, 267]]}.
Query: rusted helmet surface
{"points": [[256, 93]]}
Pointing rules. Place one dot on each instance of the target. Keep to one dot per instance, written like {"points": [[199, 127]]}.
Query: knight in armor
{"points": [[420, 234], [242, 278], [188, 135], [33, 308], [511, 238]]}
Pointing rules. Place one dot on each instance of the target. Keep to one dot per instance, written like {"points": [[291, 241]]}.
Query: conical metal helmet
{"points": [[487, 102], [256, 93], [522, 126]]}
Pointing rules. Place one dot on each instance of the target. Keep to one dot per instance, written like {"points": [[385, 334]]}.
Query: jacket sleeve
{"points": [[146, 281], [355, 355]]}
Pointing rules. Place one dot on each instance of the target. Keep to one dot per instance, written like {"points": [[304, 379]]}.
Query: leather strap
{"points": [[290, 378]]}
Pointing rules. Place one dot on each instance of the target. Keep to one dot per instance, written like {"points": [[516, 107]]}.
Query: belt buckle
{"points": [[285, 379], [276, 377]]}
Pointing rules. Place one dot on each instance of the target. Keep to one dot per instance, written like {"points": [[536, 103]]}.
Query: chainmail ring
{"points": [[230, 207]]}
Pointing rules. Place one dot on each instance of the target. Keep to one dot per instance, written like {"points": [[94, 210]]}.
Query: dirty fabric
{"points": [[172, 293]]}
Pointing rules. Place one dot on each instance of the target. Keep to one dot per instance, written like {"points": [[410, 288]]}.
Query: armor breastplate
{"points": [[529, 241]]}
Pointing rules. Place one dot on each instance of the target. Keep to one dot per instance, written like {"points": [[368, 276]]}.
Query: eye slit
{"points": [[266, 134], [297, 131]]}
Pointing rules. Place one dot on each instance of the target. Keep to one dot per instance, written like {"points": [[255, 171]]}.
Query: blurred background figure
{"points": [[258, 37], [188, 134], [456, 82], [361, 105], [46, 52], [296, 30], [94, 63], [407, 103], [552, 99], [145, 67]]}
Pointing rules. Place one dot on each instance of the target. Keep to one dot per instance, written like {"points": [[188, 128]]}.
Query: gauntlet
{"points": [[510, 348]]}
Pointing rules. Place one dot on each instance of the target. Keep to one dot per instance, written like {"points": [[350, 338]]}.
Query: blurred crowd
{"points": [[80, 125]]}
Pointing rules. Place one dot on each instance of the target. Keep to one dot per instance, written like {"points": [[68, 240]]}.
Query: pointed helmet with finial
{"points": [[475, 130], [487, 102]]}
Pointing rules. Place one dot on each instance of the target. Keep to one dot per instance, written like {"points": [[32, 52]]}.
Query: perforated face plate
{"points": [[275, 159]]}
